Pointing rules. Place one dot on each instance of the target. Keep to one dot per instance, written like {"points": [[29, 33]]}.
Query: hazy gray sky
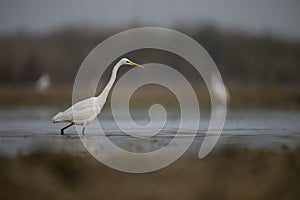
{"points": [[280, 17]]}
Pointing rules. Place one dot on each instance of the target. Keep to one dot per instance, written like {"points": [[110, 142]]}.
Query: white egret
{"points": [[85, 111], [43, 83], [219, 88]]}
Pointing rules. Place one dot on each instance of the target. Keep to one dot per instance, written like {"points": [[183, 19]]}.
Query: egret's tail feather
{"points": [[58, 117]]}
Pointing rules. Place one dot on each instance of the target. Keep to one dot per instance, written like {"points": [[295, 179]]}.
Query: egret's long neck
{"points": [[103, 96]]}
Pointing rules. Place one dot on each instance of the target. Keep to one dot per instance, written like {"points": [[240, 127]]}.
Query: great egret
{"points": [[85, 111]]}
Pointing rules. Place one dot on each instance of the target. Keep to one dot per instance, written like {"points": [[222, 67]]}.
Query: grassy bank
{"points": [[242, 96], [226, 174]]}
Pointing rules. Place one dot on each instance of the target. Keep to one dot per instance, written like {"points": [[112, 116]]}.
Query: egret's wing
{"points": [[84, 104], [80, 107], [86, 115]]}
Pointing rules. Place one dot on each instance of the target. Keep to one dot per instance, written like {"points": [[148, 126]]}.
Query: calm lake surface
{"points": [[27, 130]]}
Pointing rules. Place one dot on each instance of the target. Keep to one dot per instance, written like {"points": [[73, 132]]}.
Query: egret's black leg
{"points": [[83, 130], [62, 130]]}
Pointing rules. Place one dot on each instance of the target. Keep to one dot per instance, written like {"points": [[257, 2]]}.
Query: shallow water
{"points": [[26, 130]]}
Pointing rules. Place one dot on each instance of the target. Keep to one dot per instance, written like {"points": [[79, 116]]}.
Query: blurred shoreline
{"points": [[246, 96]]}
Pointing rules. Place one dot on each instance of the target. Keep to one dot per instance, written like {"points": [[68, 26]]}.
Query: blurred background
{"points": [[255, 44]]}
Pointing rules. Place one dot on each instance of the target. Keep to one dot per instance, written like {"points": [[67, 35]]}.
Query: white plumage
{"points": [[85, 111], [43, 83], [219, 89]]}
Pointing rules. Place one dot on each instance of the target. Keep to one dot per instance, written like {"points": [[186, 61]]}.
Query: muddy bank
{"points": [[238, 173]]}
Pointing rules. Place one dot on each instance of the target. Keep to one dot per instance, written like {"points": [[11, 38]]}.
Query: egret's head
{"points": [[126, 61]]}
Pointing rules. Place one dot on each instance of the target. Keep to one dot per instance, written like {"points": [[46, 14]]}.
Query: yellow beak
{"points": [[135, 64]]}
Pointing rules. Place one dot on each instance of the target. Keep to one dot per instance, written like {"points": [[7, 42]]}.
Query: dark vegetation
{"points": [[225, 174], [259, 70], [239, 56]]}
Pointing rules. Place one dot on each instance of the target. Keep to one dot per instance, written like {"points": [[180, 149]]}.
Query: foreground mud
{"points": [[226, 174]]}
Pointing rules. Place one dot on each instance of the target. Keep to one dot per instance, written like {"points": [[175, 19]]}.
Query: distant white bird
{"points": [[85, 111], [43, 82], [218, 89]]}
